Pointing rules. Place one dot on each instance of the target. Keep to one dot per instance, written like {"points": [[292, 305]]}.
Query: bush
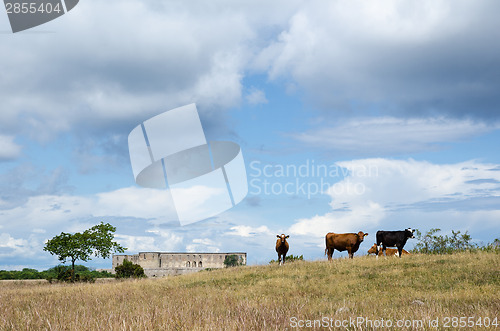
{"points": [[128, 269], [492, 247], [64, 274], [290, 258], [431, 243], [232, 261]]}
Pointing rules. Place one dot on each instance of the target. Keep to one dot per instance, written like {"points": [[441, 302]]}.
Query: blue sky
{"points": [[398, 100]]}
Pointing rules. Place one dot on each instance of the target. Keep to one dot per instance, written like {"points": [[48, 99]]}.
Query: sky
{"points": [[351, 116]]}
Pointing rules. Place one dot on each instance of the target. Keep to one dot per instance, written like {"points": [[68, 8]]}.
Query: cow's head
{"points": [[362, 236], [282, 237], [409, 233], [373, 249]]}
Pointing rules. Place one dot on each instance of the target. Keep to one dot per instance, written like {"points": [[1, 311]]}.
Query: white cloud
{"points": [[248, 231], [378, 189], [256, 96], [376, 136], [390, 56], [8, 148], [15, 247], [44, 212], [203, 245], [130, 202], [340, 221], [7, 241], [173, 54], [135, 202], [165, 242]]}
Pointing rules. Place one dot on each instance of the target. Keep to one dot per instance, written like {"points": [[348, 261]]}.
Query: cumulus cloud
{"points": [[164, 242], [406, 58], [8, 148], [6, 241], [12, 247], [248, 231], [393, 57], [135, 202], [203, 245], [174, 54], [256, 96], [54, 211], [154, 205], [377, 189], [141, 214], [390, 135]]}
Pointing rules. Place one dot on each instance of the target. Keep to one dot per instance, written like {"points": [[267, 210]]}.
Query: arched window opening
{"points": [[194, 264], [199, 264], [188, 264]]}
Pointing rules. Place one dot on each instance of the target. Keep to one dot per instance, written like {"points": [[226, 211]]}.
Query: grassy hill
{"points": [[346, 294]]}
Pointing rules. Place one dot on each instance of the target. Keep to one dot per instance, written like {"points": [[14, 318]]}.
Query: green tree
{"points": [[232, 261], [97, 241], [128, 269]]}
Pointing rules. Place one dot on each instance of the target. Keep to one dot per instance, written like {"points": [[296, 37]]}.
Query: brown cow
{"points": [[388, 251], [281, 247], [343, 242]]}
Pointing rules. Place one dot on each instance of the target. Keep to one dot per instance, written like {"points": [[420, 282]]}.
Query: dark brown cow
{"points": [[281, 247], [343, 242], [388, 251]]}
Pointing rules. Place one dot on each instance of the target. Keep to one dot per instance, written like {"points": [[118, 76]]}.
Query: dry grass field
{"points": [[416, 291]]}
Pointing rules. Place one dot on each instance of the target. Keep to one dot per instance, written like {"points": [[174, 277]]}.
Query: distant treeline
{"points": [[53, 273]]}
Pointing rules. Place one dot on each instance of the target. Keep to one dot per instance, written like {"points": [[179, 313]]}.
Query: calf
{"points": [[393, 239], [281, 247], [343, 242], [389, 251]]}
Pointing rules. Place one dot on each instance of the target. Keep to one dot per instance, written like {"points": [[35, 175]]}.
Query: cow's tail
{"points": [[326, 249]]}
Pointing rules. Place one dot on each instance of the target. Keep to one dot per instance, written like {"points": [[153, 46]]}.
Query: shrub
{"points": [[492, 247], [232, 261], [65, 274], [290, 258], [431, 243], [128, 269]]}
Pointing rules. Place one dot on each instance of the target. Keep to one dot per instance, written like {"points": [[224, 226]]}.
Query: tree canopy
{"points": [[96, 241], [232, 261], [128, 269]]}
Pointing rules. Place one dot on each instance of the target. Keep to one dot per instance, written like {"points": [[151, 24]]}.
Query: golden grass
{"points": [[270, 297]]}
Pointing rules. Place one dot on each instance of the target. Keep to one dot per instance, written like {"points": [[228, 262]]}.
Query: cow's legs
{"points": [[330, 253], [349, 251], [284, 258], [400, 250], [279, 259]]}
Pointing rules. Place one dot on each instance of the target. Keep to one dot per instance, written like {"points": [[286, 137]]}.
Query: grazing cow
{"points": [[389, 251], [281, 247], [393, 239], [343, 242]]}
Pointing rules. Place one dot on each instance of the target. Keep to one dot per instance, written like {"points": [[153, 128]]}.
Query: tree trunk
{"points": [[73, 268]]}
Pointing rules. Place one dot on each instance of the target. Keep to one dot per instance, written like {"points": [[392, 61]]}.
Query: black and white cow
{"points": [[393, 239]]}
